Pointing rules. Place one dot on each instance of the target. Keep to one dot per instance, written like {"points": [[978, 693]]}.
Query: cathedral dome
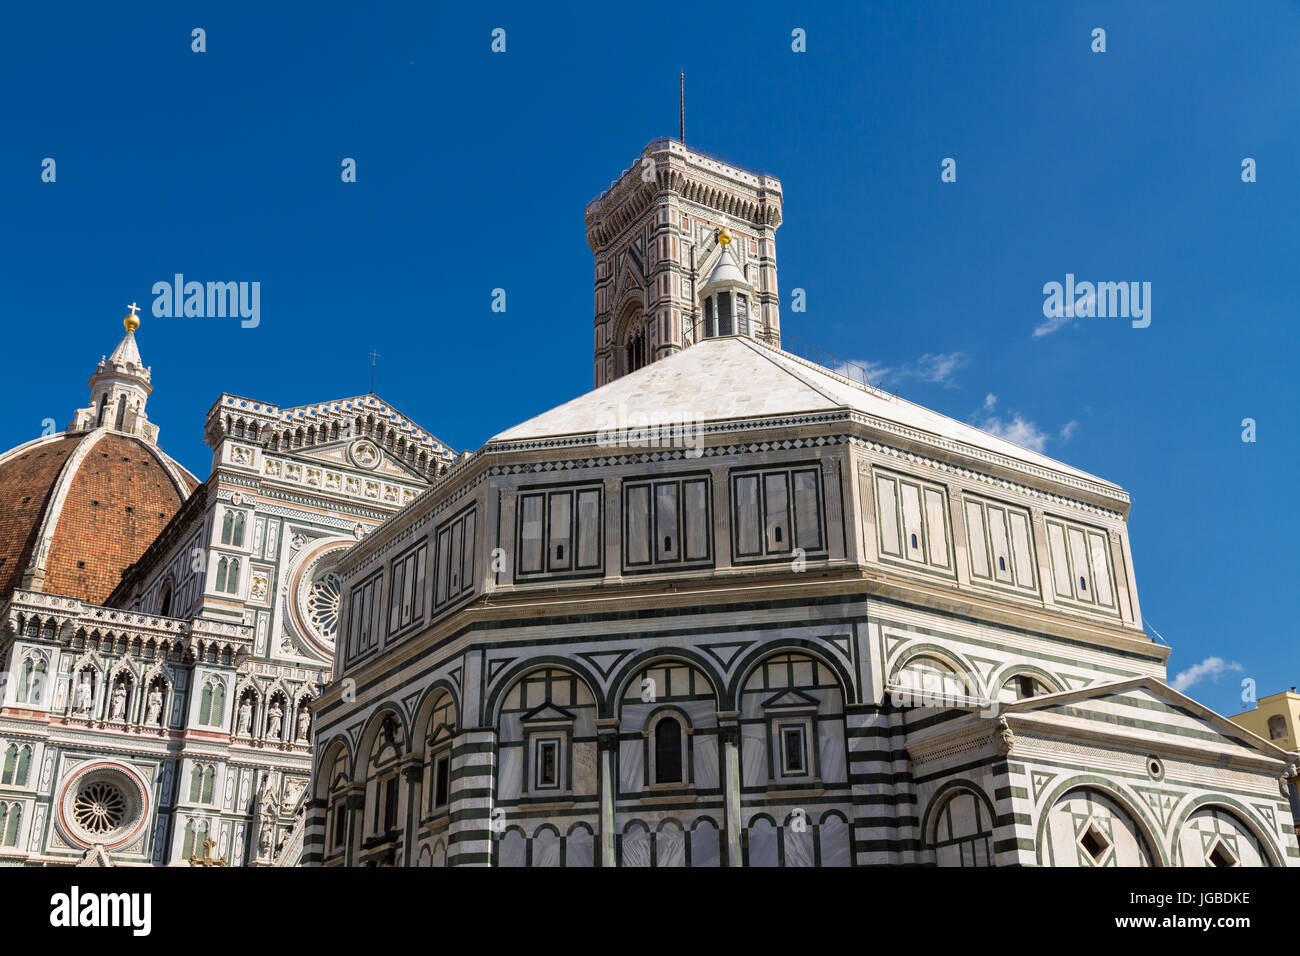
{"points": [[79, 507]]}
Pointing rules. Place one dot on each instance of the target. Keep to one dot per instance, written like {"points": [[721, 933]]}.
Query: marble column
{"points": [[607, 748]]}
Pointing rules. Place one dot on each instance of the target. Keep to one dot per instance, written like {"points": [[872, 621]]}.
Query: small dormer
{"points": [[727, 299]]}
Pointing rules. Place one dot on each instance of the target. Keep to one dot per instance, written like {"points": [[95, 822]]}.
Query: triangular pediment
{"points": [[1156, 716], [789, 700], [547, 713], [441, 733]]}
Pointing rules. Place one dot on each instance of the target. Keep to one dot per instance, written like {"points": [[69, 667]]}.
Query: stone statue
{"points": [[119, 703], [153, 710], [265, 839], [304, 723], [85, 694], [245, 717], [274, 718]]}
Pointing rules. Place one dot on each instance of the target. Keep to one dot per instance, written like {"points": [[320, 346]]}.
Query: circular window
{"points": [[1155, 768], [323, 603], [316, 589], [103, 804], [99, 807]]}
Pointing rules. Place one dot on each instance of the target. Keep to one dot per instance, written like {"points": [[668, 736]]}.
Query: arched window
{"points": [[11, 817], [1020, 686], [1276, 727], [11, 763], [227, 575], [963, 832], [24, 764], [195, 832], [212, 704], [25, 685], [218, 715], [165, 601], [227, 525], [668, 751], [238, 537], [196, 783], [931, 677]]}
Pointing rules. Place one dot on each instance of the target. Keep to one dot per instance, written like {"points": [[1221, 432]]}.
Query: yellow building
{"points": [[1274, 718]]}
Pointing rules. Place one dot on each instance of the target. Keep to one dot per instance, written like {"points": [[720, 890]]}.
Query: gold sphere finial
{"points": [[132, 321], [724, 236]]}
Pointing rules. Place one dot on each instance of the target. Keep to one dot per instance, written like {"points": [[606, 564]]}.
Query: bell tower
{"points": [[680, 234]]}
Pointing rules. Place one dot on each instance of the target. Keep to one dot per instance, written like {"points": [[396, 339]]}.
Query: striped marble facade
{"points": [[797, 622]]}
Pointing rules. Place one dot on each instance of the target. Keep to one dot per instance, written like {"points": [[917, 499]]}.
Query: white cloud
{"points": [[1212, 668], [1053, 324], [1014, 427], [1084, 304], [937, 369], [932, 368]]}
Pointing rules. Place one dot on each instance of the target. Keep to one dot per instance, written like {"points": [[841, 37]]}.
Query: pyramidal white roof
{"points": [[735, 377], [127, 352], [726, 270]]}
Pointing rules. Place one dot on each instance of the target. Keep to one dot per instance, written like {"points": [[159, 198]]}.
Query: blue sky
{"points": [[473, 169]]}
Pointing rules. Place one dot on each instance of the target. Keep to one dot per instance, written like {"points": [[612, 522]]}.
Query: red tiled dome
{"points": [[94, 501]]}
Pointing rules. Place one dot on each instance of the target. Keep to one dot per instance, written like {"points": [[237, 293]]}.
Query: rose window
{"points": [[323, 604], [99, 808]]}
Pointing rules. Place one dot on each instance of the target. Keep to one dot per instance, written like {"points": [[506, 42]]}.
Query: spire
{"points": [[127, 354], [119, 389]]}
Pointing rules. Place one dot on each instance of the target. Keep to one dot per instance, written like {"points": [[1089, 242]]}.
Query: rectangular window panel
{"points": [[976, 539], [395, 598], [1079, 562], [530, 524], [807, 511], [696, 526], [467, 554], [667, 536], [417, 607], [1001, 546], [440, 575], [589, 536], [887, 515], [407, 588], [548, 764], [776, 508], [1100, 571], [749, 541], [794, 760], [1022, 549], [442, 778], [559, 551], [354, 622], [1060, 563], [936, 527], [376, 607], [638, 524], [913, 533], [454, 556]]}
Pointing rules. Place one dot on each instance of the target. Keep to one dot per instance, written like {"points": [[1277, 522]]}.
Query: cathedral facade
{"points": [[163, 638], [733, 608]]}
